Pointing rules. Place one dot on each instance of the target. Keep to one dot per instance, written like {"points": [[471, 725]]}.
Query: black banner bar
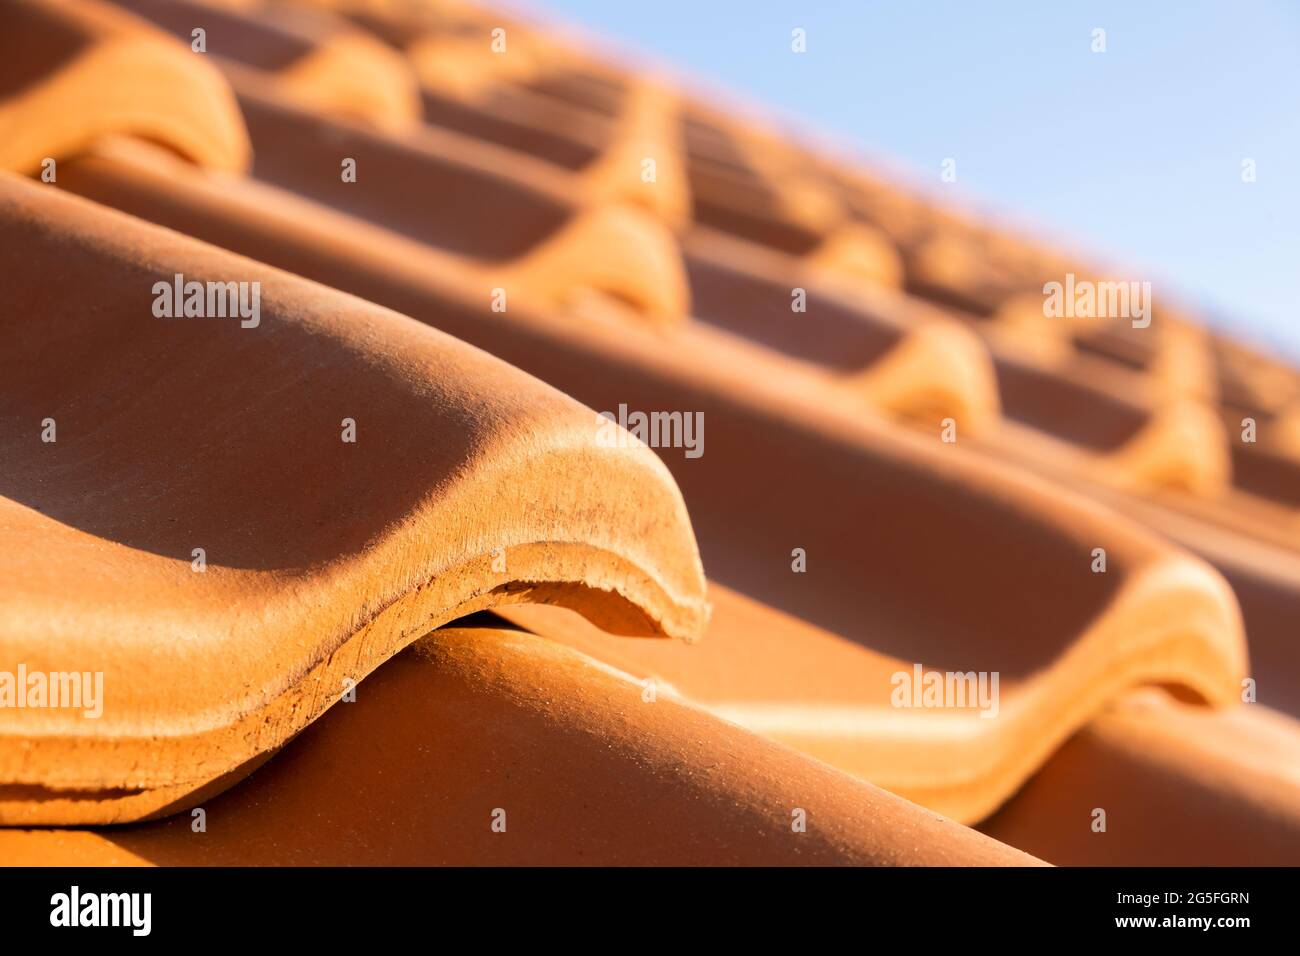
{"points": [[334, 906]]}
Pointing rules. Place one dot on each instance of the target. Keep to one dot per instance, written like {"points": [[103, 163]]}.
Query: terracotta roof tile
{"points": [[71, 73], [311, 55], [579, 765], [836, 697], [369, 549], [1179, 787]]}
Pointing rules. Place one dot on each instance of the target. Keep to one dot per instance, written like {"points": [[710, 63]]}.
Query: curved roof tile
{"points": [[223, 435]]}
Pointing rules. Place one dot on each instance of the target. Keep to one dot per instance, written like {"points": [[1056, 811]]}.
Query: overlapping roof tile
{"points": [[329, 550], [563, 755]]}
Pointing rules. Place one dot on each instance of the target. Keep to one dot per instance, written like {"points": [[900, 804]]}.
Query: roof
{"points": [[379, 522]]}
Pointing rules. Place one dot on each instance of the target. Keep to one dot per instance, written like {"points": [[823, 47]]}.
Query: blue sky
{"points": [[1133, 155]]}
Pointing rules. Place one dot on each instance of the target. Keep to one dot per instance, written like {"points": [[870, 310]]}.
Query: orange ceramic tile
{"points": [[481, 746], [1158, 783], [318, 59], [849, 700], [73, 72], [245, 543]]}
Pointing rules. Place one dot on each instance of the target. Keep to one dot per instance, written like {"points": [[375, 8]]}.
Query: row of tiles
{"points": [[1167, 405], [1147, 584], [1070, 642]]}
